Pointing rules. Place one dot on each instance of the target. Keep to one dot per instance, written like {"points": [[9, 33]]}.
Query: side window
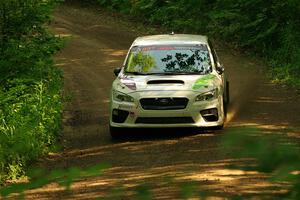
{"points": [[216, 60]]}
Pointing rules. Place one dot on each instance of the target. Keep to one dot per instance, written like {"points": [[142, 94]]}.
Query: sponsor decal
{"points": [[128, 83], [126, 107], [205, 81]]}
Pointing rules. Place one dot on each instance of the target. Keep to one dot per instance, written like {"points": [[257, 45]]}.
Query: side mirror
{"points": [[220, 68], [117, 71]]}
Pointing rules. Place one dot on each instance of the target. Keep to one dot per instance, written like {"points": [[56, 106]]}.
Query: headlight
{"points": [[208, 96], [119, 96]]}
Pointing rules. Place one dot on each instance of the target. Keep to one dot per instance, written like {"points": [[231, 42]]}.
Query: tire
{"points": [[114, 132], [225, 107], [226, 99], [227, 93], [220, 127]]}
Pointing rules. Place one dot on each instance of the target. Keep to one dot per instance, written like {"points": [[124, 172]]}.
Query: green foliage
{"points": [[143, 192], [275, 155], [39, 178], [140, 62], [30, 102], [269, 29]]}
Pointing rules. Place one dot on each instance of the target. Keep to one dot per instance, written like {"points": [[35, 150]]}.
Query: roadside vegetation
{"points": [[30, 85], [270, 30]]}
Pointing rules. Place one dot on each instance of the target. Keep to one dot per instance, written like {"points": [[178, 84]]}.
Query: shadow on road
{"points": [[160, 134]]}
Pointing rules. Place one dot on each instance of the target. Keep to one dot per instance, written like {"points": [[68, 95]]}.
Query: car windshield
{"points": [[185, 59]]}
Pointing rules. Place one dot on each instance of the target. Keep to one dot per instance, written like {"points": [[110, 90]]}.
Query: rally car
{"points": [[167, 81]]}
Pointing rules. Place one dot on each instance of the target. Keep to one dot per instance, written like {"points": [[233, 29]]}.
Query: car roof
{"points": [[170, 39]]}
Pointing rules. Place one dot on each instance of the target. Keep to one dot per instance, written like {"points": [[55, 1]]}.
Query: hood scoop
{"points": [[166, 81]]}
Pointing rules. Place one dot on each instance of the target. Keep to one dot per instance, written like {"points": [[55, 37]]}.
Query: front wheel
{"points": [[220, 127], [226, 100], [114, 132], [227, 93]]}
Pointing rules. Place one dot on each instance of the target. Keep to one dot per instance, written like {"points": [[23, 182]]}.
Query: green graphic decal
{"points": [[204, 81]]}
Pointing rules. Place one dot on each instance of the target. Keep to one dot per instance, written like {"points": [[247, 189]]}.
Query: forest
{"points": [[266, 29], [30, 85]]}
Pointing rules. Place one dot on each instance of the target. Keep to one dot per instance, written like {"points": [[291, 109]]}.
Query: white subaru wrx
{"points": [[173, 80]]}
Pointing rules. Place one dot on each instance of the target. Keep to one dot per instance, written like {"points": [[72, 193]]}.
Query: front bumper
{"points": [[195, 114]]}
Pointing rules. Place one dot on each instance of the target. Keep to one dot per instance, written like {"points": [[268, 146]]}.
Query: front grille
{"points": [[164, 120], [153, 82], [164, 103]]}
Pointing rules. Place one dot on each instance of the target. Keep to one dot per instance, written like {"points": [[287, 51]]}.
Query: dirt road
{"points": [[99, 44]]}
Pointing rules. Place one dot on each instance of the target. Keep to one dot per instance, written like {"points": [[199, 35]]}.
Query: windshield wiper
{"points": [[185, 73], [174, 73], [165, 73], [136, 73], [159, 73], [152, 73]]}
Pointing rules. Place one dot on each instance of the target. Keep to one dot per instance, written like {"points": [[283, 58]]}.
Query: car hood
{"points": [[139, 83]]}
